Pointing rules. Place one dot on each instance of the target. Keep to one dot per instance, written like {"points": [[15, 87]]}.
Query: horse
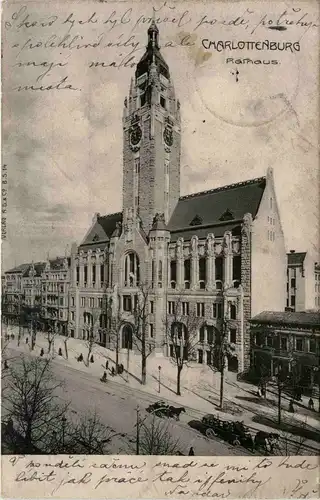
{"points": [[266, 440], [175, 412]]}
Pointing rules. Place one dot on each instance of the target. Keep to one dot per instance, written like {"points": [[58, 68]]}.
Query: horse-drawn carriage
{"points": [[237, 434], [161, 409]]}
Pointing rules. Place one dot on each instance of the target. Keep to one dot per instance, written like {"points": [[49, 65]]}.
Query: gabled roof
{"points": [[102, 229], [18, 269], [296, 258], [58, 263], [288, 318], [220, 209]]}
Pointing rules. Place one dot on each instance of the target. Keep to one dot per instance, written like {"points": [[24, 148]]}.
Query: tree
{"points": [[155, 438], [90, 327], [114, 323], [181, 338], [51, 334], [31, 402], [39, 423], [140, 327], [220, 349]]}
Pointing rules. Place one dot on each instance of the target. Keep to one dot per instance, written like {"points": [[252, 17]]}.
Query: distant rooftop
{"points": [[296, 258], [288, 318]]}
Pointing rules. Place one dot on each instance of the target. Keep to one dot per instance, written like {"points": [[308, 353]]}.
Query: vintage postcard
{"points": [[160, 299]]}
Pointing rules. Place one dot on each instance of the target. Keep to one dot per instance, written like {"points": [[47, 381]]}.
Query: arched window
{"points": [[131, 270], [126, 337], [179, 341]]}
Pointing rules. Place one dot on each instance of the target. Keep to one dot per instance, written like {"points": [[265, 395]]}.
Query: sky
{"points": [[63, 148]]}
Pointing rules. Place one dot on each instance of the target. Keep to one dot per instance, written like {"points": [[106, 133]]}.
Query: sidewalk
{"points": [[200, 387]]}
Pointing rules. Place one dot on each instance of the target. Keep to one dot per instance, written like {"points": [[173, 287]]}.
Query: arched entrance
{"points": [[126, 336]]}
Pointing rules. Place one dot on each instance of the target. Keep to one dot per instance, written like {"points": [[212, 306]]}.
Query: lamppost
{"points": [[138, 431], [64, 421], [159, 379]]}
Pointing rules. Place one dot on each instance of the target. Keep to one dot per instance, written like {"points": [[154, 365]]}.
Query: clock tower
{"points": [[151, 139]]}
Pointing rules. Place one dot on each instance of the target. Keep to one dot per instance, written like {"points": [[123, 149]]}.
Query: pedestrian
{"points": [[5, 365], [311, 404], [113, 371], [104, 377], [27, 340], [191, 451], [291, 408], [122, 368], [259, 392], [107, 365], [41, 352]]}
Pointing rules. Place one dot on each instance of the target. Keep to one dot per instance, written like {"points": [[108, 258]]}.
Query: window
{"points": [[217, 310], [269, 341], [162, 102], [83, 302], [77, 274], [185, 308], [153, 272], [293, 282], [233, 311], [209, 361], [91, 302], [143, 99], [61, 289], [171, 307], [233, 335], [312, 346], [219, 268], [293, 300], [200, 309], [284, 343], [93, 273], [127, 303], [131, 270], [99, 302], [299, 344], [85, 271], [200, 356], [72, 333], [61, 301], [173, 273], [72, 315], [236, 270], [187, 273], [201, 334], [102, 273], [72, 301], [202, 272], [137, 165], [151, 306], [160, 273], [151, 330]]}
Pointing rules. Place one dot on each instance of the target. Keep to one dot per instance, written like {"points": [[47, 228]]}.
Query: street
{"points": [[116, 406]]}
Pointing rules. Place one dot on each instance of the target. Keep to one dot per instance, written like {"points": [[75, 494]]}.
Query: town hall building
{"points": [[217, 257]]}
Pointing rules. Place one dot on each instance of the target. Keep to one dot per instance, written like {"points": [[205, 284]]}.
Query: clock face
{"points": [[168, 136], [135, 136]]}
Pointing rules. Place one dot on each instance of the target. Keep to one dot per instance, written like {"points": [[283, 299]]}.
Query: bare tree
{"points": [[51, 334], [31, 402], [113, 327], [90, 327], [155, 438], [181, 338], [221, 348], [140, 327]]}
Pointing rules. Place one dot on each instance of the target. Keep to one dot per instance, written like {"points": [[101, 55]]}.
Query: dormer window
{"points": [[196, 221], [162, 102], [227, 215], [95, 238]]}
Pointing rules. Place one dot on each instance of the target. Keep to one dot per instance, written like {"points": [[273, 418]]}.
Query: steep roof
{"points": [[220, 209], [102, 230], [288, 318], [152, 54], [296, 258], [25, 268], [58, 263]]}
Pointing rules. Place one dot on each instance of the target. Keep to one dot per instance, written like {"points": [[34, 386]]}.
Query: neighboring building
{"points": [[289, 341], [22, 286], [55, 295], [303, 282], [216, 254]]}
